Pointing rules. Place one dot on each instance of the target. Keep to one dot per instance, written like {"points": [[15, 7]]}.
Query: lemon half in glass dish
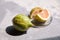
{"points": [[40, 16]]}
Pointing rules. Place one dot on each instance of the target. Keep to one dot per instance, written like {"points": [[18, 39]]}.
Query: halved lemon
{"points": [[34, 11], [39, 14]]}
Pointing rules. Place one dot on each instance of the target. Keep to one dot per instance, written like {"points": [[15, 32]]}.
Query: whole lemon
{"points": [[21, 22]]}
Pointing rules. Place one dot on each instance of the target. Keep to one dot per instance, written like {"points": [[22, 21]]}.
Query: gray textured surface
{"points": [[9, 8]]}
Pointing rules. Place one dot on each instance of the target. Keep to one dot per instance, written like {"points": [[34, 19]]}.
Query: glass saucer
{"points": [[42, 24]]}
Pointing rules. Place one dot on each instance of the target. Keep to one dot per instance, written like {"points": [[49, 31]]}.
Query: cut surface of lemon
{"points": [[34, 11], [40, 14]]}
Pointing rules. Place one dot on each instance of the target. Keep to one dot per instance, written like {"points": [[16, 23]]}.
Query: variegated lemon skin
{"points": [[21, 22]]}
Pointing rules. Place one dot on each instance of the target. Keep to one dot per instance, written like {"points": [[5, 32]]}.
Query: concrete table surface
{"points": [[9, 8]]}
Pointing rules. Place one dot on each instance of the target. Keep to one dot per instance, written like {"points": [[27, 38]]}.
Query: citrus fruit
{"points": [[21, 22], [34, 11], [39, 14]]}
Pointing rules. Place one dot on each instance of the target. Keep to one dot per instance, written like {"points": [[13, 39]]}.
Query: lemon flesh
{"points": [[34, 11]]}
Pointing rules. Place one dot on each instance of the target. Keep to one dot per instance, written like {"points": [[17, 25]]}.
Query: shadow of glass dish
{"points": [[12, 31], [40, 24]]}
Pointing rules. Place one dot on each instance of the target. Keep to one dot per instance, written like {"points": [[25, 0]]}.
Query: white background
{"points": [[9, 8]]}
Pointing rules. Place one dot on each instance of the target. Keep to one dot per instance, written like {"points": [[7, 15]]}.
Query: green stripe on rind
{"points": [[19, 28]]}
